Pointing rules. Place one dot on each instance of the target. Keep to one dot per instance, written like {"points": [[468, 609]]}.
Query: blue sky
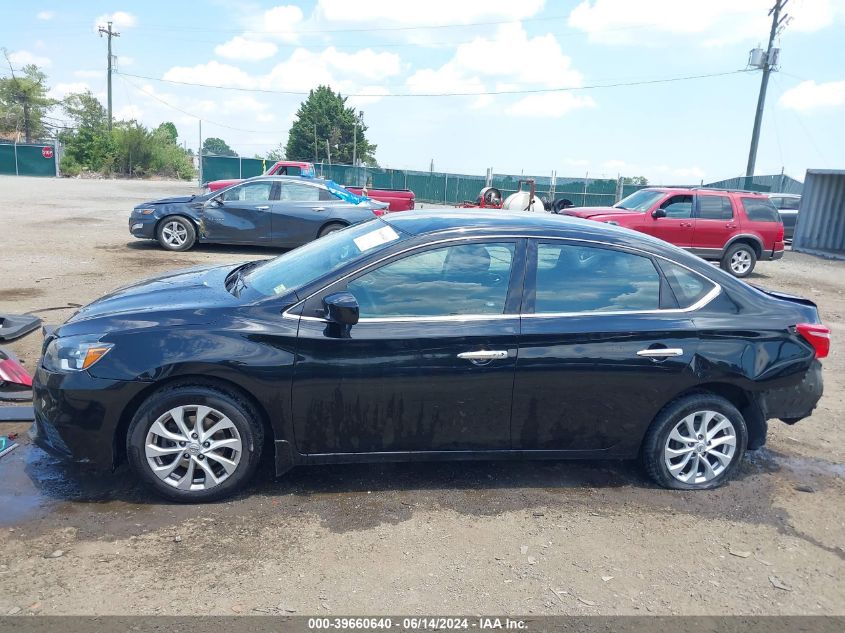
{"points": [[678, 132]]}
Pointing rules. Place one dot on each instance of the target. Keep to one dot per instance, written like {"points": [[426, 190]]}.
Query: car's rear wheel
{"points": [[176, 233], [330, 228], [194, 443], [695, 443], [739, 260]]}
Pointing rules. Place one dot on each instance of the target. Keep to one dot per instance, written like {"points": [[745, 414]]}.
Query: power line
{"points": [[451, 94], [191, 114]]}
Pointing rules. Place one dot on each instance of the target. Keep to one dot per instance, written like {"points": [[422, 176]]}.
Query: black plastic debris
{"points": [[14, 326]]}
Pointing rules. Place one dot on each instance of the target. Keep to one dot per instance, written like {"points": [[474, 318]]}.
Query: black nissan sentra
{"points": [[455, 335]]}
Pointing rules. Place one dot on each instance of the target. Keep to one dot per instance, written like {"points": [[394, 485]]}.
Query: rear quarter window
{"points": [[689, 287], [760, 210]]}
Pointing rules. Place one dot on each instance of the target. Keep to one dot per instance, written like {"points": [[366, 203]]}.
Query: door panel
{"points": [[300, 212], [586, 378], [580, 384], [715, 221], [677, 227], [401, 379], [243, 217]]}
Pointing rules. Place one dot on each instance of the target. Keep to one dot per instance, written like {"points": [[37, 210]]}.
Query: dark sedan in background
{"points": [[458, 335], [278, 211], [787, 205]]}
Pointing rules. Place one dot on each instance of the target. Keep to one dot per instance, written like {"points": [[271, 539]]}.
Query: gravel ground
{"points": [[504, 538]]}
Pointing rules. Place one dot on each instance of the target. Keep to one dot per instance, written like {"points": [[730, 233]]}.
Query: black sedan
{"points": [[457, 335], [278, 211]]}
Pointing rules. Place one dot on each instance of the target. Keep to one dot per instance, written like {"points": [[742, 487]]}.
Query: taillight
{"points": [[816, 335], [12, 372], [780, 233], [379, 212]]}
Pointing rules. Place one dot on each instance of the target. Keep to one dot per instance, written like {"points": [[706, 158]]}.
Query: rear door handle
{"points": [[483, 355], [661, 352], [318, 208], [263, 207]]}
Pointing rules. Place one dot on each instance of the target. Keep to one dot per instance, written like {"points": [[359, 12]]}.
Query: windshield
{"points": [[301, 266], [639, 200]]}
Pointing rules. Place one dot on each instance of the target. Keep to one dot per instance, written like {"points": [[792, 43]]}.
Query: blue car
{"points": [[277, 211]]}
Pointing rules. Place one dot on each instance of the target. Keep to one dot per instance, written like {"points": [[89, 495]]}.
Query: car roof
{"points": [[705, 190], [469, 222], [274, 177]]}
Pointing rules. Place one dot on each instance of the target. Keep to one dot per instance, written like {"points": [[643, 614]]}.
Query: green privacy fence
{"points": [[449, 188], [27, 159], [775, 183], [433, 186], [228, 167]]}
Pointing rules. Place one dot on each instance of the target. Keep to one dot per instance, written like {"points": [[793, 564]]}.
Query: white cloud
{"points": [[301, 72], [250, 50], [45, 15], [22, 58], [514, 61], [279, 23], [61, 90], [714, 23], [808, 95], [123, 60], [554, 104], [213, 74], [426, 13], [128, 113], [119, 20]]}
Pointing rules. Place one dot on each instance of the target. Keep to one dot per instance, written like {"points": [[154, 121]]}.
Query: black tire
{"points": [[240, 412], [330, 228], [657, 438], [185, 226], [746, 253]]}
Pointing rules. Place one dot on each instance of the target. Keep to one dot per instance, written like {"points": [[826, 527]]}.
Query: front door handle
{"points": [[661, 352], [482, 355], [263, 207], [318, 208]]}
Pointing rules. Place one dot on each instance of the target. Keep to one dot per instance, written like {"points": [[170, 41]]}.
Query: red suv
{"points": [[736, 228]]}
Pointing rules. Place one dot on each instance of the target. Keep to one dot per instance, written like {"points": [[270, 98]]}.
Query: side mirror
{"points": [[658, 213], [342, 308]]}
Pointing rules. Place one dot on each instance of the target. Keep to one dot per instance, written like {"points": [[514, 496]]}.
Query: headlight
{"points": [[145, 211], [74, 353]]}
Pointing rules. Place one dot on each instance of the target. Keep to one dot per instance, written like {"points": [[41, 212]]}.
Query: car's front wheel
{"points": [[194, 443], [695, 443], [739, 260], [176, 233]]}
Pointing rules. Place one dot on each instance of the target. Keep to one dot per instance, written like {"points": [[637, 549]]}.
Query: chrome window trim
{"points": [[714, 292]]}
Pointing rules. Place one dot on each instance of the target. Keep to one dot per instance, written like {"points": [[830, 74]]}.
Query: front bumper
{"points": [[142, 226], [77, 415]]}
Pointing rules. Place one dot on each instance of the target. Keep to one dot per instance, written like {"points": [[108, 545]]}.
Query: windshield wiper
{"points": [[235, 281]]}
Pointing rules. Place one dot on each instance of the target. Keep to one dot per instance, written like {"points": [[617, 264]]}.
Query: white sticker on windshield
{"points": [[375, 238]]}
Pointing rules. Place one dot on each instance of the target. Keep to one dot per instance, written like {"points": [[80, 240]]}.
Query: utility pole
{"points": [[315, 143], [199, 155], [110, 34], [768, 63]]}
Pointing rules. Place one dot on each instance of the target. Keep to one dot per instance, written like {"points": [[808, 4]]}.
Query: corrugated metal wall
{"points": [[820, 229], [775, 183]]}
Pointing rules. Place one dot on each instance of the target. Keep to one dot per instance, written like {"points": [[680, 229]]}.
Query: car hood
{"points": [[183, 297], [589, 212], [172, 200]]}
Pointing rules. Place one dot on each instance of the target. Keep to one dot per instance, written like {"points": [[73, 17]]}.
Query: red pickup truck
{"points": [[736, 228], [398, 199]]}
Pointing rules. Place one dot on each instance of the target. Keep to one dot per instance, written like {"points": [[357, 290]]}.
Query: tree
{"points": [[326, 111], [635, 180], [217, 146], [168, 131], [89, 145], [24, 102], [276, 154]]}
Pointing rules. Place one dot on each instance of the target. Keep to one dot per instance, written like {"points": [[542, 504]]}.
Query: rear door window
{"points": [[715, 208], [760, 210], [574, 278], [296, 192]]}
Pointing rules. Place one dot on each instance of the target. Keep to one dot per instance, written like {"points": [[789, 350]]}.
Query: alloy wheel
{"points": [[740, 262], [193, 447], [174, 233], [700, 447]]}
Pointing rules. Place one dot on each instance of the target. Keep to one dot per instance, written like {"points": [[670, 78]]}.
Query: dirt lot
{"points": [[574, 538]]}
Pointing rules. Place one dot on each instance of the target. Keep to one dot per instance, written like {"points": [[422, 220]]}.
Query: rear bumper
{"points": [[775, 253], [796, 402]]}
